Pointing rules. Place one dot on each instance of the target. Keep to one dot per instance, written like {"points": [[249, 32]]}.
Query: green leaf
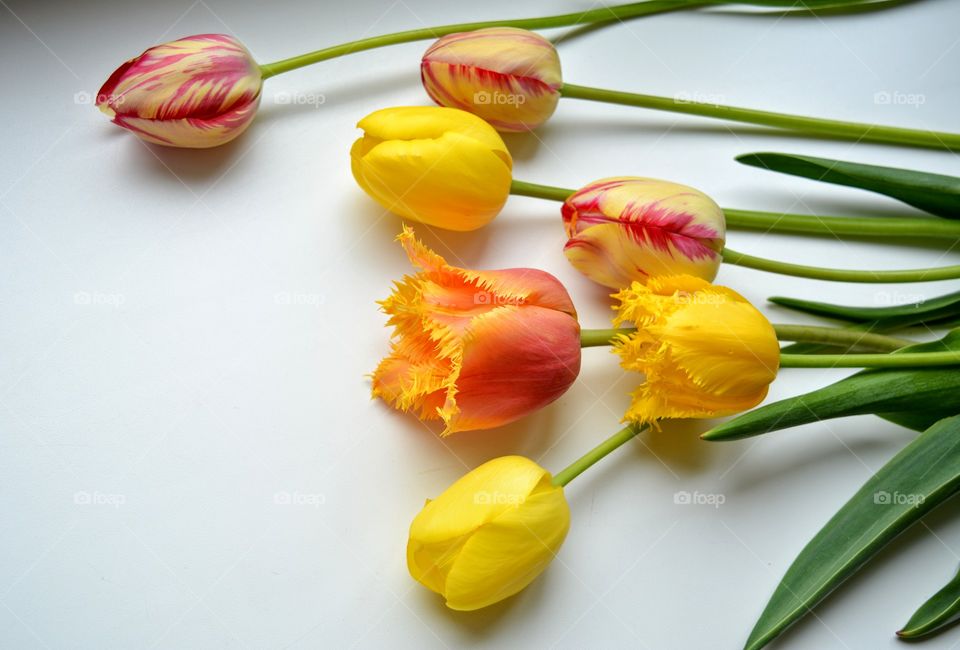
{"points": [[937, 613], [889, 391], [932, 308], [923, 475], [940, 311], [937, 194]]}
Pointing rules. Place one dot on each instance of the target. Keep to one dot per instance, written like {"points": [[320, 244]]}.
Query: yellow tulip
{"points": [[705, 350], [490, 534], [440, 166]]}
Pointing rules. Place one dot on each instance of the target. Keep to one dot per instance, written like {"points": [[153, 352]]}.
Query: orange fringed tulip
{"points": [[625, 229], [490, 534], [705, 350], [476, 349], [510, 77]]}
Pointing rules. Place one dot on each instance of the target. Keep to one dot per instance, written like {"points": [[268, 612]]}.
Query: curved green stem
{"points": [[618, 12], [904, 360], [842, 336], [808, 125], [840, 275], [897, 227], [577, 467], [839, 336]]}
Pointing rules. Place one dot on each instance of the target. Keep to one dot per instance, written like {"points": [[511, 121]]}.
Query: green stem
{"points": [[590, 338], [596, 338], [898, 227], [798, 123], [618, 12], [903, 227], [839, 336], [904, 360], [577, 467], [840, 275]]}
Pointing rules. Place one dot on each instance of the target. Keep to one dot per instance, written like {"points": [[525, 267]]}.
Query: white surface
{"points": [[231, 320]]}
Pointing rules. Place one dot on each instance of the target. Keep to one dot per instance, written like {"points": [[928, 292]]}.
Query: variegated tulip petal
{"points": [[625, 229], [197, 92], [510, 77]]}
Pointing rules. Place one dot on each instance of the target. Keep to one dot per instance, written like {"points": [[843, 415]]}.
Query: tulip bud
{"points": [[490, 534], [625, 229], [439, 166], [197, 92], [705, 350], [510, 77], [476, 349]]}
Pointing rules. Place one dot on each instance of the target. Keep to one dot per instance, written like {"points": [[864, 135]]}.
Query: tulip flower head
{"points": [[625, 229], [200, 91], [705, 350], [490, 534], [510, 77], [440, 166], [476, 349]]}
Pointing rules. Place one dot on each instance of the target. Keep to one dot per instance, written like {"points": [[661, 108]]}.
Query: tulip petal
{"points": [[507, 554]]}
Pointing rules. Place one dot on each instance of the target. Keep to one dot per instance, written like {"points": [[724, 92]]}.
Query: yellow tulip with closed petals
{"points": [[705, 350], [440, 166], [490, 534]]}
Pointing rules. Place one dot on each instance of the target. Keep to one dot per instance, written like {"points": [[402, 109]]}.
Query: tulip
{"points": [[705, 350], [625, 229], [197, 92], [440, 166], [490, 534], [510, 77], [476, 349]]}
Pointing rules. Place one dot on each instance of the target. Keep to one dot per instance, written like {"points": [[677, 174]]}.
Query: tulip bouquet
{"points": [[477, 349]]}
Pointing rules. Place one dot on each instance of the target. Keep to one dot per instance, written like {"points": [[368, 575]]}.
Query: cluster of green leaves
{"points": [[926, 472]]}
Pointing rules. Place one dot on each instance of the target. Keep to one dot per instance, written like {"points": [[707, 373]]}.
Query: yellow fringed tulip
{"points": [[705, 350], [440, 166], [490, 534]]}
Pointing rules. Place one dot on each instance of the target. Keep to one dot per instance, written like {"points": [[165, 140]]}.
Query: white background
{"points": [[186, 334]]}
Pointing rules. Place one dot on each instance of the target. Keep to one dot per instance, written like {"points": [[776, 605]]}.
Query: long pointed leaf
{"points": [[923, 475], [934, 615], [889, 391], [932, 308], [934, 193]]}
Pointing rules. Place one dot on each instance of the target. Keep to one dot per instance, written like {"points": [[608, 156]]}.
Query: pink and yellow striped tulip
{"points": [[510, 77], [476, 349], [625, 229], [197, 92]]}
